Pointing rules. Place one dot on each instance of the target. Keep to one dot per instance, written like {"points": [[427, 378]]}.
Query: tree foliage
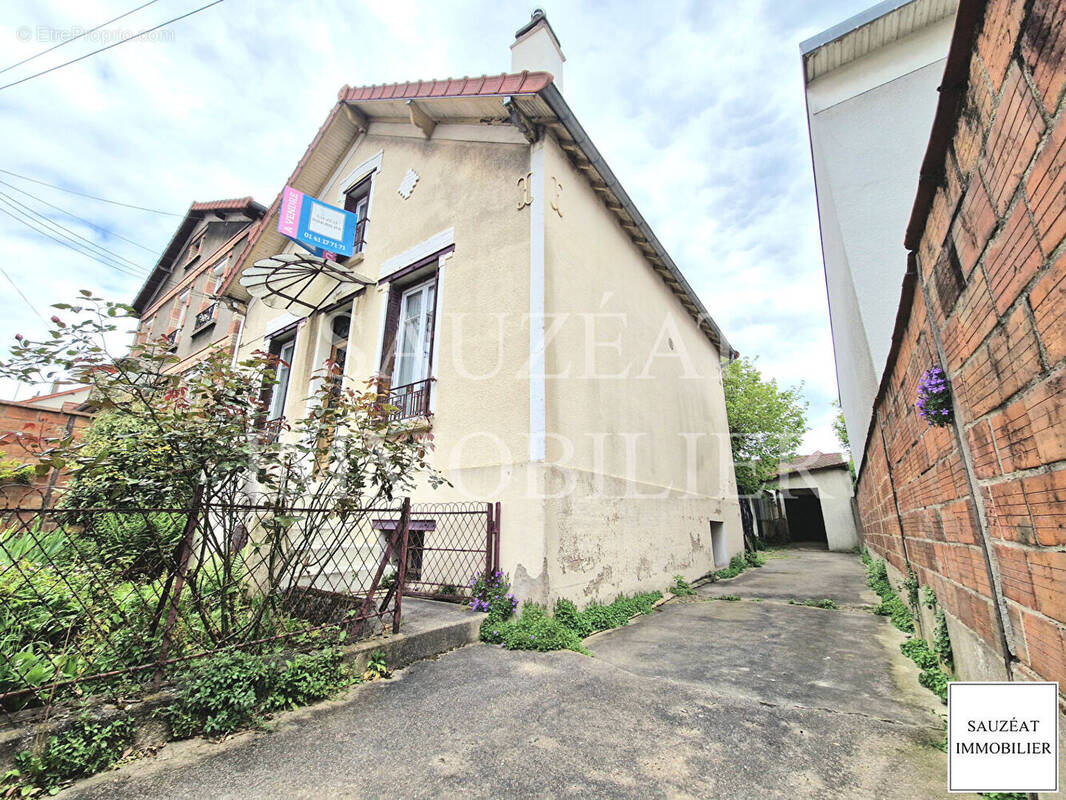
{"points": [[766, 423]]}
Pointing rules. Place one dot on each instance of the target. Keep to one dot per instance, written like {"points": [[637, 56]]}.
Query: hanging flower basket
{"points": [[934, 397]]}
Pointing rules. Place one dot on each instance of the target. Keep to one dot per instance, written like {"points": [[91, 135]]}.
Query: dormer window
{"points": [[357, 201]]}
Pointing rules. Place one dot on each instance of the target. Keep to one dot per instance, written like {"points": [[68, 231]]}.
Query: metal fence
{"points": [[448, 544], [115, 601]]}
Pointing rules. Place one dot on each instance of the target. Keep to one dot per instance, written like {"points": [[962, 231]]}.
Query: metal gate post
{"points": [[490, 527], [496, 538], [179, 583], [401, 576]]}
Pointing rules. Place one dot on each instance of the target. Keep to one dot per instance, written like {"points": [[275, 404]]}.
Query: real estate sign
{"points": [[316, 226]]}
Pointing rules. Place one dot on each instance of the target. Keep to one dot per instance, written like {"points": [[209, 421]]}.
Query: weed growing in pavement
{"points": [[732, 598], [891, 606], [932, 676], [681, 587]]}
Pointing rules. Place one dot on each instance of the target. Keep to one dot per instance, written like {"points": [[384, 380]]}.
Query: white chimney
{"points": [[535, 48]]}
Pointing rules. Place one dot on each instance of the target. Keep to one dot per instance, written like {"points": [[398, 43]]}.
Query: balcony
{"points": [[410, 400], [204, 318]]}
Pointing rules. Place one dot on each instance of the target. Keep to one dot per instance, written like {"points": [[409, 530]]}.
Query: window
{"points": [[195, 248], [408, 355], [282, 348], [183, 307], [357, 201]]}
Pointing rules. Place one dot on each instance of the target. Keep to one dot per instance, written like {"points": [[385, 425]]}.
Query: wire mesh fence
{"points": [[448, 545], [114, 601]]}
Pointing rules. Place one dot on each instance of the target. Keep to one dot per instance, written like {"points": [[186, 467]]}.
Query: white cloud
{"points": [[698, 107]]}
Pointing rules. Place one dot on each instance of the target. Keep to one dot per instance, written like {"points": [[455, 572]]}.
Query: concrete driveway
{"points": [[703, 699]]}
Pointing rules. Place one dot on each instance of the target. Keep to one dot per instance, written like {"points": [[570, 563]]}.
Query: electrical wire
{"points": [[88, 222], [108, 47], [11, 201], [75, 38], [90, 196], [25, 299], [68, 244]]}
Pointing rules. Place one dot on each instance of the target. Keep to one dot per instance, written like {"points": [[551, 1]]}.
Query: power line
{"points": [[91, 196], [25, 299], [69, 245], [88, 222], [108, 47], [4, 197], [75, 38]]}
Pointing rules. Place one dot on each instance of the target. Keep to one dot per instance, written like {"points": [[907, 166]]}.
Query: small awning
{"points": [[300, 281]]}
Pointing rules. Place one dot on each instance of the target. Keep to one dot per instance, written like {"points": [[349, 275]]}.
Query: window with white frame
{"points": [[282, 348], [414, 334]]}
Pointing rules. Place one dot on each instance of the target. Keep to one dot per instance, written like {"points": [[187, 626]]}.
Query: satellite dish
{"points": [[302, 281]]}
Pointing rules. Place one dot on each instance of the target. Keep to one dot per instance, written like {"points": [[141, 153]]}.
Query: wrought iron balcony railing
{"points": [[410, 400], [206, 315]]}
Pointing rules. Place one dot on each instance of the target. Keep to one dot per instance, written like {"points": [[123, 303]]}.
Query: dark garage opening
{"points": [[805, 521]]}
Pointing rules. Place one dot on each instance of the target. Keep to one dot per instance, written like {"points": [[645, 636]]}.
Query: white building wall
{"points": [[834, 490], [869, 123]]}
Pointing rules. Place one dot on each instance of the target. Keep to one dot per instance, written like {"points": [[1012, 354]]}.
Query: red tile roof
{"points": [[524, 82], [809, 463], [223, 205]]}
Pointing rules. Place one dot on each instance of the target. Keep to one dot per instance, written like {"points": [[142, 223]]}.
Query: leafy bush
{"points": [[14, 471], [534, 629], [85, 748], [910, 589], [307, 678], [137, 545]]}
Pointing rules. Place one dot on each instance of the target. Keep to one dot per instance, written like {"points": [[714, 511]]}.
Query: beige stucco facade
{"points": [[570, 384]]}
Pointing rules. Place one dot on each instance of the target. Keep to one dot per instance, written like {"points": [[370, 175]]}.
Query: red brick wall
{"points": [[978, 510], [24, 431]]}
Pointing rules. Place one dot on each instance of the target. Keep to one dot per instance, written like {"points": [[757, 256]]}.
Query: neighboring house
{"points": [[976, 508], [26, 426], [814, 495], [524, 313], [871, 91], [178, 300]]}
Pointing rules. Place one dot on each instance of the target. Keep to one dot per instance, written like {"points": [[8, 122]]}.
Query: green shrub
{"points": [[137, 545], [910, 589], [681, 587], [85, 748], [535, 630], [307, 678], [14, 471], [220, 694], [567, 614], [928, 598]]}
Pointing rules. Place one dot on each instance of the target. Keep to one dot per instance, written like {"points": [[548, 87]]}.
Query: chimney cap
{"points": [[535, 19]]}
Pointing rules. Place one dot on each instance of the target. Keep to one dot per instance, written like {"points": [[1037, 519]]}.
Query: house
{"points": [[871, 87], [813, 494], [523, 312], [177, 300]]}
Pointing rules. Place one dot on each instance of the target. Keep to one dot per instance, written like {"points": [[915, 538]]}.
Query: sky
{"points": [[697, 106]]}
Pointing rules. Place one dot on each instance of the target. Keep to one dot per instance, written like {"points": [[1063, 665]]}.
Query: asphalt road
{"points": [[704, 699]]}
